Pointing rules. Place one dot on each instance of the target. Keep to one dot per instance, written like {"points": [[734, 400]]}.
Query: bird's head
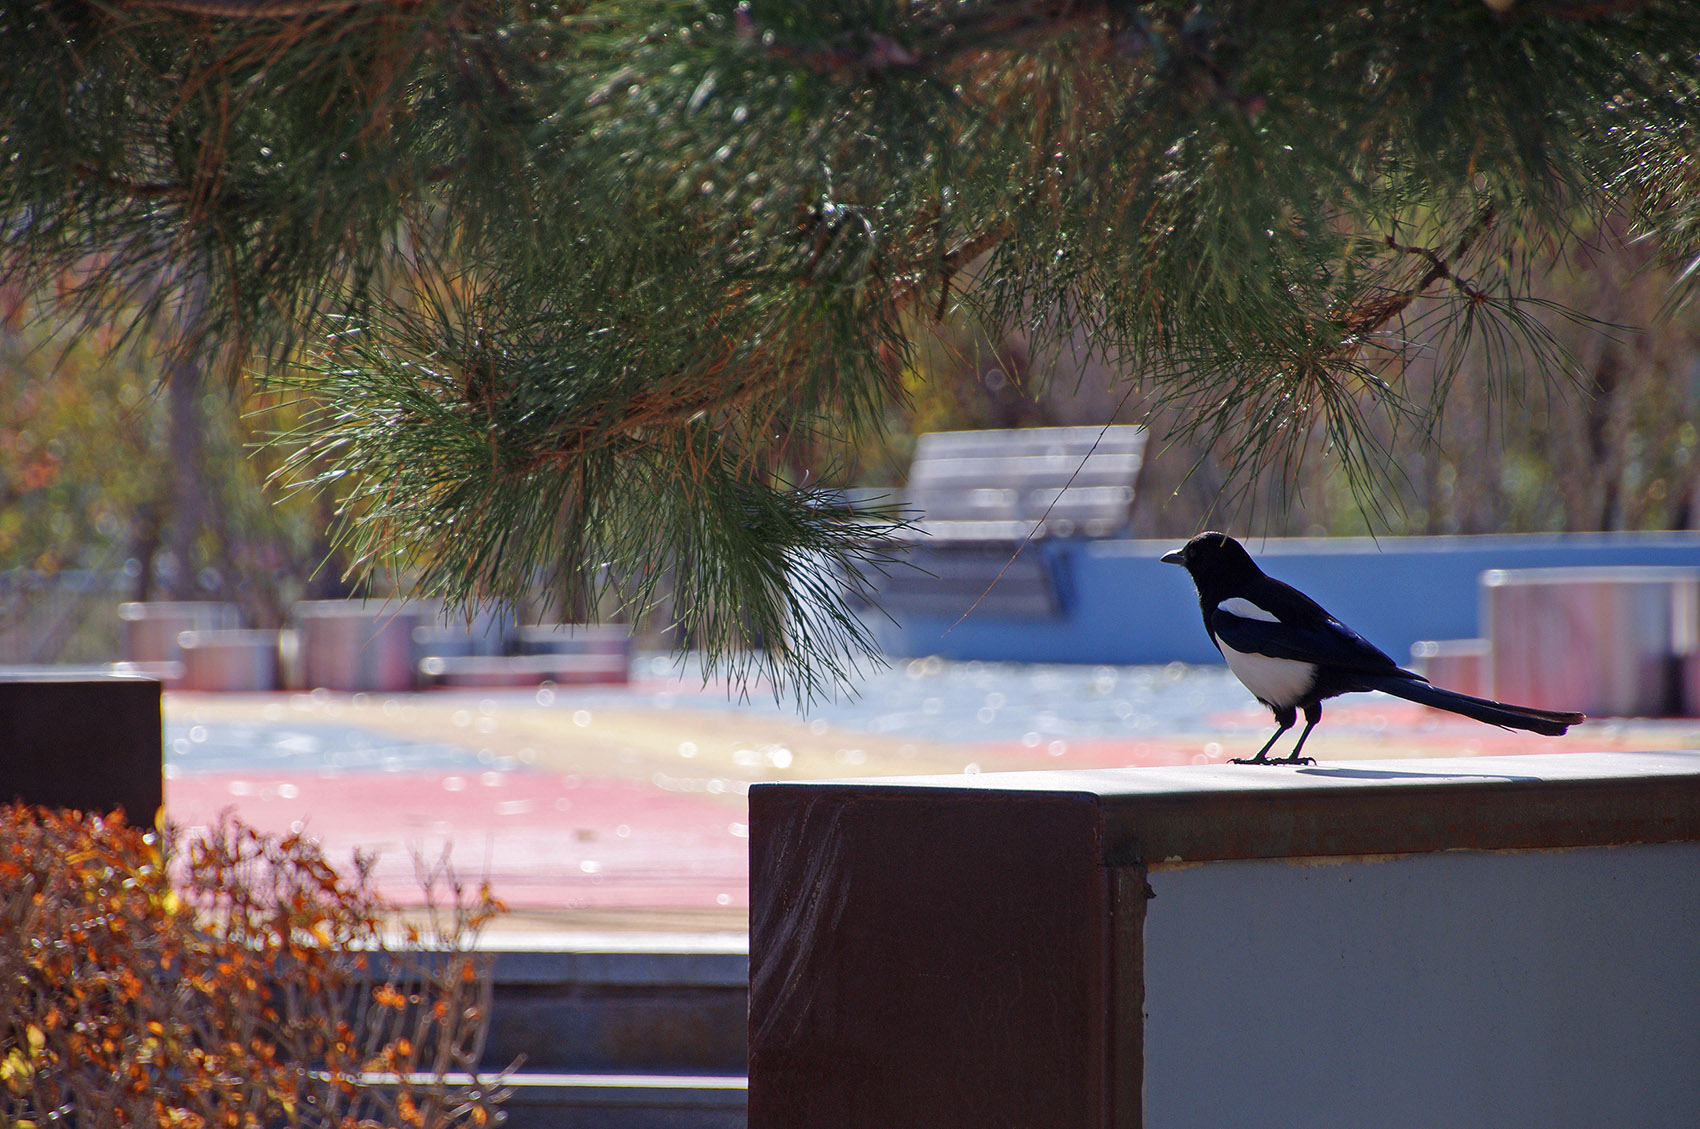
{"points": [[1214, 556]]}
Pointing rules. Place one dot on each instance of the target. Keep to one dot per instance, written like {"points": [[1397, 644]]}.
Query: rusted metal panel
{"points": [[1605, 641], [94, 744], [940, 959]]}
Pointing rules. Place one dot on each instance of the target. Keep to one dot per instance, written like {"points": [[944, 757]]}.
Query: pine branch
{"points": [[539, 267], [256, 9], [1375, 314]]}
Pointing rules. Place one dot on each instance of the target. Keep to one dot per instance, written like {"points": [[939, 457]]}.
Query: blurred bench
{"points": [[564, 653], [978, 496]]}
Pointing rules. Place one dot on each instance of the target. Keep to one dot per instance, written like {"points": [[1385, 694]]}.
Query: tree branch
{"points": [[1013, 25], [262, 9], [127, 187], [1373, 315]]}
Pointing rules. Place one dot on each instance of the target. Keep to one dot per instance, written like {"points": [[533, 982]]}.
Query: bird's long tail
{"points": [[1413, 689]]}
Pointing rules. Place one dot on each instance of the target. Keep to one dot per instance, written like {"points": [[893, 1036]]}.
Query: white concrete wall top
{"points": [[1379, 775]]}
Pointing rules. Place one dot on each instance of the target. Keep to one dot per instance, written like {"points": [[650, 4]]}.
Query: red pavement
{"points": [[567, 843], [543, 841]]}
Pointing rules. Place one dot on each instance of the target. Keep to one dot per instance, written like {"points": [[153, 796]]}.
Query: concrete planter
{"points": [[1605, 641], [151, 630], [229, 660], [356, 645]]}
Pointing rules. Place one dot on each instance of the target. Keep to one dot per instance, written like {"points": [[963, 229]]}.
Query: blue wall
{"points": [[1123, 605]]}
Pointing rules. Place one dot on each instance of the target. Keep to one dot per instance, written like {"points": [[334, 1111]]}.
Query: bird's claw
{"points": [[1273, 760]]}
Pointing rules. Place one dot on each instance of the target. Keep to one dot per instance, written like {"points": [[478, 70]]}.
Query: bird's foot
{"points": [[1295, 759], [1259, 759]]}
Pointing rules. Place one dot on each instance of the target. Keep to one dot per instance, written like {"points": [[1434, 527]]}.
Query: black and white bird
{"points": [[1291, 654]]}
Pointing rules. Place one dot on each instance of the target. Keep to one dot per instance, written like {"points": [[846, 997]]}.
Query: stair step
{"points": [[625, 1101], [583, 1008], [546, 1100]]}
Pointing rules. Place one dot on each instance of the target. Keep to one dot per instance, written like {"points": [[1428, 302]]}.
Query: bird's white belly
{"points": [[1275, 682]]}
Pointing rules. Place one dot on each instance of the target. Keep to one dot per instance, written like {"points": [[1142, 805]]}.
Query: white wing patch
{"points": [[1274, 682], [1245, 609]]}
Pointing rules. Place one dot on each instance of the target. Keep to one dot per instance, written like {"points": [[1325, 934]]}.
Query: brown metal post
{"points": [[94, 744], [940, 958]]}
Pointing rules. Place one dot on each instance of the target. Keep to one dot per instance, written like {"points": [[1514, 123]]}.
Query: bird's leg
{"points": [[1313, 714], [1284, 719]]}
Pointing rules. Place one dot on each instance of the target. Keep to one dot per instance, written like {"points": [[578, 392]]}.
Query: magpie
{"points": [[1291, 654]]}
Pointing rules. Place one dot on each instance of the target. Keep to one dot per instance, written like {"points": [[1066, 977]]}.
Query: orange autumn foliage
{"points": [[235, 979]]}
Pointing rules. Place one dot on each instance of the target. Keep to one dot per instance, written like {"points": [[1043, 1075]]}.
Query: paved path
{"points": [[602, 808]]}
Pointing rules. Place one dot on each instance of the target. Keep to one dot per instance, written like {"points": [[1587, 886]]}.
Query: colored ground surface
{"points": [[612, 808]]}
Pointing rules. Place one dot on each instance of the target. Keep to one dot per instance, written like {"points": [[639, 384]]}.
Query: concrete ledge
{"points": [[592, 1101], [621, 967], [1426, 588], [616, 1011], [1202, 813]]}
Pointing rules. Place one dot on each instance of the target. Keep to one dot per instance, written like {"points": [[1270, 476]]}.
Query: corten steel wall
{"points": [[981, 951], [937, 959], [89, 743]]}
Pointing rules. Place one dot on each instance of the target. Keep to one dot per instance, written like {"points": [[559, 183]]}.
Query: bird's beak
{"points": [[1174, 556]]}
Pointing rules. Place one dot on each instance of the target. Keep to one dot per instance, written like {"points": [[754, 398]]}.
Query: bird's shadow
{"points": [[1385, 774]]}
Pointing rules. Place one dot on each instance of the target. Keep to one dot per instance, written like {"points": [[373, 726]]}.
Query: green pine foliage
{"points": [[558, 286]]}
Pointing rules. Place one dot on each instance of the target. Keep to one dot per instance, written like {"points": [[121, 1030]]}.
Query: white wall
{"points": [[1460, 990]]}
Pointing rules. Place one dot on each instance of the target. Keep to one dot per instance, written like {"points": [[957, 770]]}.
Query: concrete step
{"points": [[626, 1101], [621, 1032], [644, 1005], [544, 1100]]}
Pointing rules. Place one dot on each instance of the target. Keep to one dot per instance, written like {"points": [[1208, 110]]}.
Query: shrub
{"points": [[234, 979]]}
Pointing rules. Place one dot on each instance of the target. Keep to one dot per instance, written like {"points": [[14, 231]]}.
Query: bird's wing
{"points": [[1323, 640]]}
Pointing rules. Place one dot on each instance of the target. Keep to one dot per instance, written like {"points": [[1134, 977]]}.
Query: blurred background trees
{"points": [[1595, 431], [119, 484], [581, 295]]}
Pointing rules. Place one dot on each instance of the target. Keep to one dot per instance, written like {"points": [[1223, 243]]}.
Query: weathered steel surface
{"points": [[94, 744], [237, 660], [936, 959], [356, 645]]}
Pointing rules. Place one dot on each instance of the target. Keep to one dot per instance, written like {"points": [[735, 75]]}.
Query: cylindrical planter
{"points": [[456, 635], [356, 645], [229, 660], [585, 652], [1604, 641], [1456, 664], [151, 627]]}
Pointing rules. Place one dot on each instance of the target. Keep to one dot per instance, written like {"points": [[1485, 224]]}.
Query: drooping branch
{"points": [[1014, 25], [262, 9], [1373, 315]]}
